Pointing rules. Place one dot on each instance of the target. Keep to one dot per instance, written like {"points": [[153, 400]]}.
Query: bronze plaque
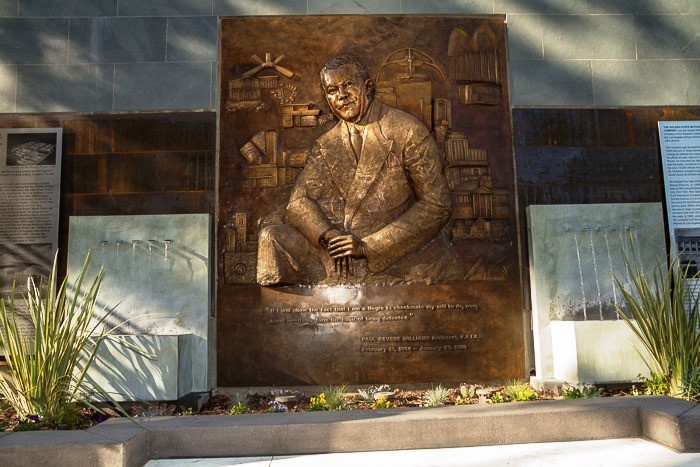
{"points": [[366, 211]]}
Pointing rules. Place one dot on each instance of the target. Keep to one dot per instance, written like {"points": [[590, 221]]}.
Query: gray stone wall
{"points": [[108, 55]]}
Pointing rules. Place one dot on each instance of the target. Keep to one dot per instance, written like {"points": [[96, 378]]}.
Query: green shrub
{"points": [[436, 397], [46, 373], [665, 317], [581, 391], [335, 397], [519, 391], [656, 386], [239, 408], [691, 386]]}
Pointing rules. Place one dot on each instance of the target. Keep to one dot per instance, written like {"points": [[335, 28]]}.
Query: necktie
{"points": [[356, 139]]}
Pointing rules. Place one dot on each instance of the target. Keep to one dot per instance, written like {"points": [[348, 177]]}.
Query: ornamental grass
{"points": [[664, 313], [46, 373]]}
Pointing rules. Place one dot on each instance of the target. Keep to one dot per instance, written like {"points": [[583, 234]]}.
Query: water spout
{"points": [[595, 273], [103, 245], [580, 273], [610, 264]]}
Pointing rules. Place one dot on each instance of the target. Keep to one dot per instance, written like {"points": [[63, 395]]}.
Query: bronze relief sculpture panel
{"points": [[365, 201]]}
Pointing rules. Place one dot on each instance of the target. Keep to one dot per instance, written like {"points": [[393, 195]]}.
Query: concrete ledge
{"points": [[118, 442], [70, 448]]}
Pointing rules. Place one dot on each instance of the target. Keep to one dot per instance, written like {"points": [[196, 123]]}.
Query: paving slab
{"points": [[618, 452]]}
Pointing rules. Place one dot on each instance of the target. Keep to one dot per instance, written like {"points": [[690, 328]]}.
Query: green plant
{"points": [[239, 404], [382, 403], [519, 391], [466, 394], [656, 386], [467, 391], [29, 423], [691, 386], [335, 397], [239, 409], [436, 396], [46, 373], [497, 398], [276, 407], [580, 391], [316, 404], [665, 315], [188, 412]]}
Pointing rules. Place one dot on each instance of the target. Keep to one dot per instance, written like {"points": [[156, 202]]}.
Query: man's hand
{"points": [[346, 245], [327, 236], [342, 249]]}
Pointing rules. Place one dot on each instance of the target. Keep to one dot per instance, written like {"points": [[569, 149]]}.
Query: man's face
{"points": [[346, 93]]}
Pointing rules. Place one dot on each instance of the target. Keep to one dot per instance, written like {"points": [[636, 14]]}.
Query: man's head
{"points": [[349, 90]]}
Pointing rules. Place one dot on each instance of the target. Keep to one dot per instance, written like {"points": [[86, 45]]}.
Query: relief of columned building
{"points": [[480, 211]]}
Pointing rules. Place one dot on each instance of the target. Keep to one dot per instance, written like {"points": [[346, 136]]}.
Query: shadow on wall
{"points": [[149, 373], [41, 70]]}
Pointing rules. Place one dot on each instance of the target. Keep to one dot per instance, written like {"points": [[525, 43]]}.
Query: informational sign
{"points": [[680, 153], [30, 176]]}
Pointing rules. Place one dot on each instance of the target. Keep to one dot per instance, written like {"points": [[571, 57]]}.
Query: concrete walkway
{"points": [[617, 452], [672, 423]]}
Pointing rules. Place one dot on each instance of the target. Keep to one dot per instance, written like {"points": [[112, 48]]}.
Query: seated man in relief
{"points": [[371, 202]]}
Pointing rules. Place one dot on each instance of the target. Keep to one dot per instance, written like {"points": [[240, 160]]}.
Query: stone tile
{"points": [[588, 37], [259, 7], [525, 36], [100, 40], [8, 87], [668, 36], [647, 82], [8, 8], [164, 7], [558, 7], [192, 38], [33, 40], [643, 6], [550, 82], [64, 88], [151, 86], [692, 73], [354, 7], [484, 7], [68, 8]]}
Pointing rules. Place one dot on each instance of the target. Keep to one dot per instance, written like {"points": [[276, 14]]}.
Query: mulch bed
{"points": [[220, 404]]}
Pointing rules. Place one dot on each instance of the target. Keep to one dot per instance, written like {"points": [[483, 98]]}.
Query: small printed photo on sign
{"points": [[18, 263], [688, 247], [31, 149]]}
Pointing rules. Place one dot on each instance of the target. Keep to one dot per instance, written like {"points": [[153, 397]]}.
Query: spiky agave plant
{"points": [[664, 314], [436, 396], [46, 372]]}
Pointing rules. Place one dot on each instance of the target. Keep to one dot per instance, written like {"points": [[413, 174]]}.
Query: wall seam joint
{"points": [[114, 84], [16, 85]]}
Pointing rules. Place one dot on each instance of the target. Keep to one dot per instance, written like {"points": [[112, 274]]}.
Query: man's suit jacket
{"points": [[395, 198]]}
